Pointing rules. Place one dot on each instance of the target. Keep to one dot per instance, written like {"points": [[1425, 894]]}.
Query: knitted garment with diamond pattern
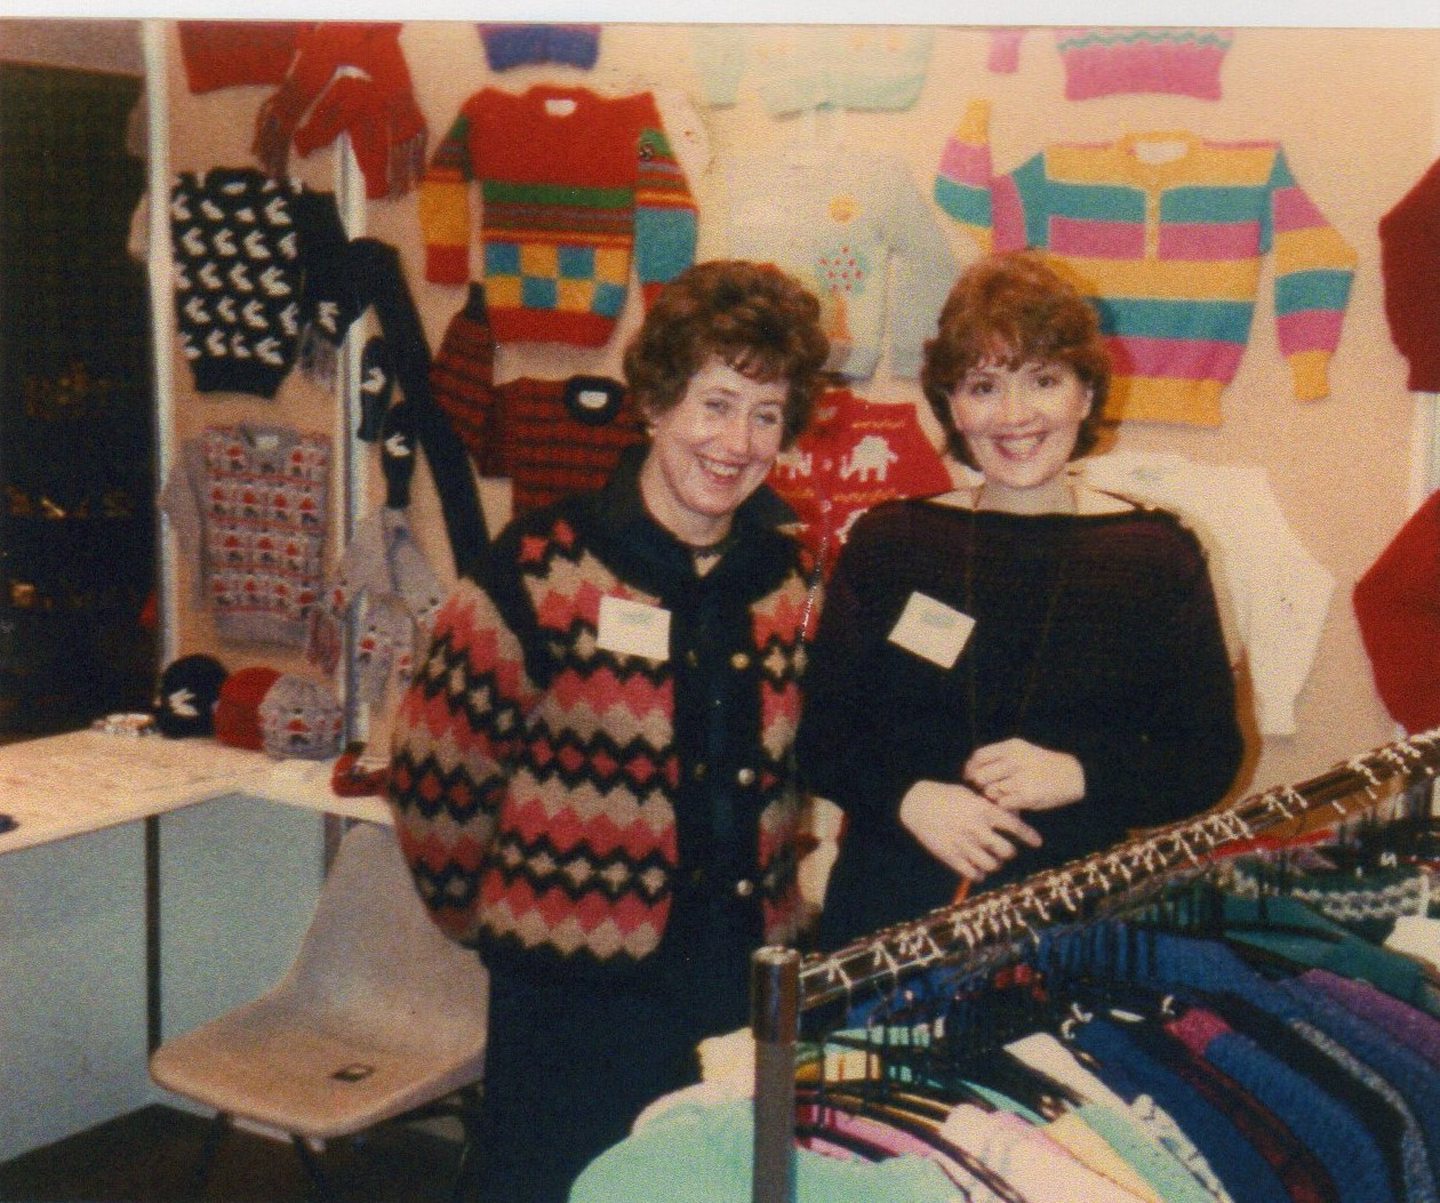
{"points": [[552, 796]]}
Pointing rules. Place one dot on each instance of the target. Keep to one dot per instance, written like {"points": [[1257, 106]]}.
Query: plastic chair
{"points": [[380, 1017]]}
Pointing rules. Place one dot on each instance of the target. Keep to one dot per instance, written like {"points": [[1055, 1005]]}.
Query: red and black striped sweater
{"points": [[552, 796]]}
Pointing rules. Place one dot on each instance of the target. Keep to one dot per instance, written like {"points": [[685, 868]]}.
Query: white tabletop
{"points": [[66, 785]]}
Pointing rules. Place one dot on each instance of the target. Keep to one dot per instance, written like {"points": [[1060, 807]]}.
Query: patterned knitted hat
{"points": [[237, 713], [300, 717], [186, 695], [1105, 61]]}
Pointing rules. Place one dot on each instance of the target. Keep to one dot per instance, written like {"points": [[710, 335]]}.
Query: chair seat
{"points": [[279, 1065]]}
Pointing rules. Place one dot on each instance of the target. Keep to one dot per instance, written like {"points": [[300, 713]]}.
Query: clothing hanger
{"points": [[910, 1115], [818, 140]]}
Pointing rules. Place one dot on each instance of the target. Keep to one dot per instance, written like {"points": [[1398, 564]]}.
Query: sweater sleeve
{"points": [[963, 182], [1187, 753], [1397, 606], [924, 269], [444, 202], [456, 731], [1314, 268], [1288, 593], [719, 52], [665, 211], [845, 754], [179, 501]]}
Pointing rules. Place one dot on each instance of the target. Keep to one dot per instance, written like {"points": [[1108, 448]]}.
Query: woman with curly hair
{"points": [[1016, 673], [591, 773]]}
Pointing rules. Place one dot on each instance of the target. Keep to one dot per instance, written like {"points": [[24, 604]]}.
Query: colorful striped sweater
{"points": [[1170, 252], [574, 187], [554, 797]]}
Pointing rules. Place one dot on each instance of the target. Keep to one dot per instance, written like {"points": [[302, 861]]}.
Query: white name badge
{"points": [[932, 630], [634, 629]]}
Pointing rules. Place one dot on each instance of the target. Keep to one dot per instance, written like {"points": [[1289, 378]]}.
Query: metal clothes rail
{"points": [[996, 926]]}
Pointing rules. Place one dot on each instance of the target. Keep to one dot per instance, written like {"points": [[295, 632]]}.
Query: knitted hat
{"points": [[516, 45], [237, 714], [300, 717], [1109, 61], [186, 695]]}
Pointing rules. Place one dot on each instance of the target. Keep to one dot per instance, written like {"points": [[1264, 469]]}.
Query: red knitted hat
{"points": [[237, 713]]}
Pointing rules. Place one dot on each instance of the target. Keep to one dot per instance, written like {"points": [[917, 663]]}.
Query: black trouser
{"points": [[572, 1062]]}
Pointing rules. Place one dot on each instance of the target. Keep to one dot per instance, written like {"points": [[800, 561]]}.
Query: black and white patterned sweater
{"points": [[260, 265]]}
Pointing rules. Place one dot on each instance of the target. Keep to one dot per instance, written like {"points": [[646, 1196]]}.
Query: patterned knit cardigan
{"points": [[538, 780]]}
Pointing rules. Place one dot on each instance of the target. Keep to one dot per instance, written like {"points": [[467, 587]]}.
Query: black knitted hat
{"points": [[186, 695]]}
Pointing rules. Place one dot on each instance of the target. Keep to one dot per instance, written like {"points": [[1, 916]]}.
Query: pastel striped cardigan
{"points": [[575, 188], [1170, 253]]}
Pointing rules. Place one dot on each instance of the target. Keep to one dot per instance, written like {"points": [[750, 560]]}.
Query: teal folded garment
{"points": [[696, 1153], [1290, 929]]}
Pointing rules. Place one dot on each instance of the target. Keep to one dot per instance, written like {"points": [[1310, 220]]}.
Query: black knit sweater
{"points": [[1096, 635]]}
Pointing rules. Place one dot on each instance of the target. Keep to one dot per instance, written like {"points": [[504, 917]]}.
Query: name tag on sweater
{"points": [[932, 630], [634, 629]]}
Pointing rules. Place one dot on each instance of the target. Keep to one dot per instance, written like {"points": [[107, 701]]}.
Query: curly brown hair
{"points": [[756, 318], [1013, 308]]}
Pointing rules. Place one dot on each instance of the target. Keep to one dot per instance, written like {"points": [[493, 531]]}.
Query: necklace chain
{"points": [[1032, 674]]}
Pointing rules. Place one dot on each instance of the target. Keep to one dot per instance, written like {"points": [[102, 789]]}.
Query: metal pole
{"points": [[775, 1023]]}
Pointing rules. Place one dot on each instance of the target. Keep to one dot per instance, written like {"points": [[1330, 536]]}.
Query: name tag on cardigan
{"points": [[634, 629], [932, 630]]}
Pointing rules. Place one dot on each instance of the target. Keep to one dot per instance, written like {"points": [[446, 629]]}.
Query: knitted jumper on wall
{"points": [[250, 505], [1274, 592], [548, 437], [1410, 265], [1170, 253], [792, 67], [574, 187], [1397, 606], [258, 263], [1107, 60], [855, 454], [543, 785], [848, 220], [1110, 60]]}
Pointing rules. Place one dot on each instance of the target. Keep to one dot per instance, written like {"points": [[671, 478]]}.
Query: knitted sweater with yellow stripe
{"points": [[574, 187], [1166, 233]]}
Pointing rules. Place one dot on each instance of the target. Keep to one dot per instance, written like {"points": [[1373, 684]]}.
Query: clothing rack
{"points": [[996, 926]]}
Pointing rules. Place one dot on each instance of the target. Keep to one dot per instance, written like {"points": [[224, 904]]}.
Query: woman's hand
{"points": [[1017, 775], [974, 837]]}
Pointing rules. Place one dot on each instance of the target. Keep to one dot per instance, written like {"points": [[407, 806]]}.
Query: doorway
{"points": [[77, 428]]}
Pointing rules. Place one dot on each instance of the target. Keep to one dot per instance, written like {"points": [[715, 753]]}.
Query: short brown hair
{"points": [[755, 317], [1013, 308]]}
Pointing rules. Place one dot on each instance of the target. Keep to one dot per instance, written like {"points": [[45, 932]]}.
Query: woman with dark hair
{"points": [[592, 772], [1018, 672]]}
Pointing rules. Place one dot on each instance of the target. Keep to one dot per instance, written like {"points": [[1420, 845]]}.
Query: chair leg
{"points": [[313, 1169], [209, 1150]]}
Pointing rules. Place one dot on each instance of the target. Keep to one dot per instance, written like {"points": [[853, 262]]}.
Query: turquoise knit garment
{"points": [[694, 1153]]}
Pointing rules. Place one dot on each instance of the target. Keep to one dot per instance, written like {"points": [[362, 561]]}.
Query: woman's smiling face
{"points": [[1020, 423], [711, 450]]}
